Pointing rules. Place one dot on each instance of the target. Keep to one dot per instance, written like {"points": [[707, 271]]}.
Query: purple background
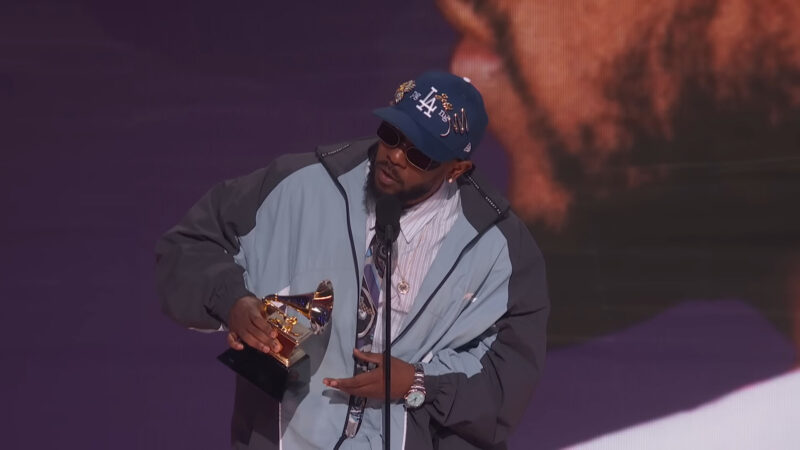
{"points": [[117, 116]]}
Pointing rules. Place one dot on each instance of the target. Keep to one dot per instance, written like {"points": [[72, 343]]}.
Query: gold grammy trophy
{"points": [[274, 372]]}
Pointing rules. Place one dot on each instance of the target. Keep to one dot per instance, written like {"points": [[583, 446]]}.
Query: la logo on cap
{"points": [[428, 103]]}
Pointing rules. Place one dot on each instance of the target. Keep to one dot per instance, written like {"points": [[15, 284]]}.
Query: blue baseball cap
{"points": [[441, 113]]}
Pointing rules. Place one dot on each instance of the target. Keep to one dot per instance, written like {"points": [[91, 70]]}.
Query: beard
{"points": [[372, 192]]}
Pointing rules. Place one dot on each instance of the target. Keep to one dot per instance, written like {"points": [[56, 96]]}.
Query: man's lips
{"points": [[384, 170]]}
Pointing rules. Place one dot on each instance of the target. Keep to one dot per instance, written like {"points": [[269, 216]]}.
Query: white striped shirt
{"points": [[423, 227]]}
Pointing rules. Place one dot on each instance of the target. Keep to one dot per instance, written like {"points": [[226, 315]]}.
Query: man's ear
{"points": [[459, 168]]}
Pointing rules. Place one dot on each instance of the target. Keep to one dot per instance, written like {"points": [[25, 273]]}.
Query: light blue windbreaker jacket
{"points": [[478, 323]]}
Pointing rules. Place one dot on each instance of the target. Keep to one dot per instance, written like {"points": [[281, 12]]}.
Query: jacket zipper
{"points": [[352, 249]]}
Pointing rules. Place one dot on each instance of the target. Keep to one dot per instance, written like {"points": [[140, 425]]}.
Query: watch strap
{"points": [[417, 387]]}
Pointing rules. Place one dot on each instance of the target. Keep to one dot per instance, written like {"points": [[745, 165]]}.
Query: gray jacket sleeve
{"points": [[481, 410], [197, 278]]}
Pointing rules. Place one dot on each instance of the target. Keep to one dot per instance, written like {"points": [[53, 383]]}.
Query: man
{"points": [[469, 303]]}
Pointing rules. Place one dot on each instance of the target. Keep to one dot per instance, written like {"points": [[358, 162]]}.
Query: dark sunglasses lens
{"points": [[388, 135], [391, 137], [419, 159]]}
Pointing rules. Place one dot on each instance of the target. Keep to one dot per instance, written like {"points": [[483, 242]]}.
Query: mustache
{"points": [[389, 168]]}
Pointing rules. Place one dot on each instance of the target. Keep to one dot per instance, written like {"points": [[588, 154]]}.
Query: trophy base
{"points": [[266, 372]]}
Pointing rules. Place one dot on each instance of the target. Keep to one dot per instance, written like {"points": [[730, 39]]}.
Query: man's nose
{"points": [[397, 156]]}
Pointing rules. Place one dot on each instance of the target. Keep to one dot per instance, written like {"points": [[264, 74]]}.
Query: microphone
{"points": [[387, 218], [387, 228]]}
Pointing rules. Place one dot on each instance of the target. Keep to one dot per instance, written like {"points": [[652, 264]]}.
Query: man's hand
{"points": [[370, 384], [249, 326]]}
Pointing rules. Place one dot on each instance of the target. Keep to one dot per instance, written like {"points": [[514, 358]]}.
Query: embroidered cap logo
{"points": [[402, 90], [457, 123], [428, 103]]}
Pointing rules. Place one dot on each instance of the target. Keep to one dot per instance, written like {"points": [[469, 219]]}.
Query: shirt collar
{"points": [[418, 216]]}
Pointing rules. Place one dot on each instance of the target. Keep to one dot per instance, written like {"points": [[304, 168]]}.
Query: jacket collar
{"points": [[482, 204], [343, 157]]}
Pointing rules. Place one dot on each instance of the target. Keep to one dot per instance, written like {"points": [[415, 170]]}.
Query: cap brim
{"points": [[420, 137]]}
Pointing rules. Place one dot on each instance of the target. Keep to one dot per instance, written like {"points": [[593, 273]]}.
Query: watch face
{"points": [[414, 399]]}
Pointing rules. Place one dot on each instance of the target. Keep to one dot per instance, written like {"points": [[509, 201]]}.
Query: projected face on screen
{"points": [[648, 141], [613, 93]]}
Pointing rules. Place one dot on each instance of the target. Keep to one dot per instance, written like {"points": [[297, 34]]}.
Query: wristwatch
{"points": [[416, 394]]}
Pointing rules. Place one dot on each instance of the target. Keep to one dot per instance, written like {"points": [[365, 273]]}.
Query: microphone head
{"points": [[387, 217]]}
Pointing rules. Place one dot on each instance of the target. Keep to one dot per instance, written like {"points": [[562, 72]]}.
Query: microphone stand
{"points": [[387, 351], [387, 220]]}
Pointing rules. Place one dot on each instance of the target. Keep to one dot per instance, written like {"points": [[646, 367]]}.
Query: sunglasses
{"points": [[393, 138]]}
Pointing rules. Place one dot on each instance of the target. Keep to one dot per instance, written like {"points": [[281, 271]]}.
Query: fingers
{"points": [[259, 341], [367, 384], [260, 335], [355, 382], [256, 338], [249, 327], [234, 342], [263, 334], [262, 325], [370, 384], [266, 333], [375, 358]]}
